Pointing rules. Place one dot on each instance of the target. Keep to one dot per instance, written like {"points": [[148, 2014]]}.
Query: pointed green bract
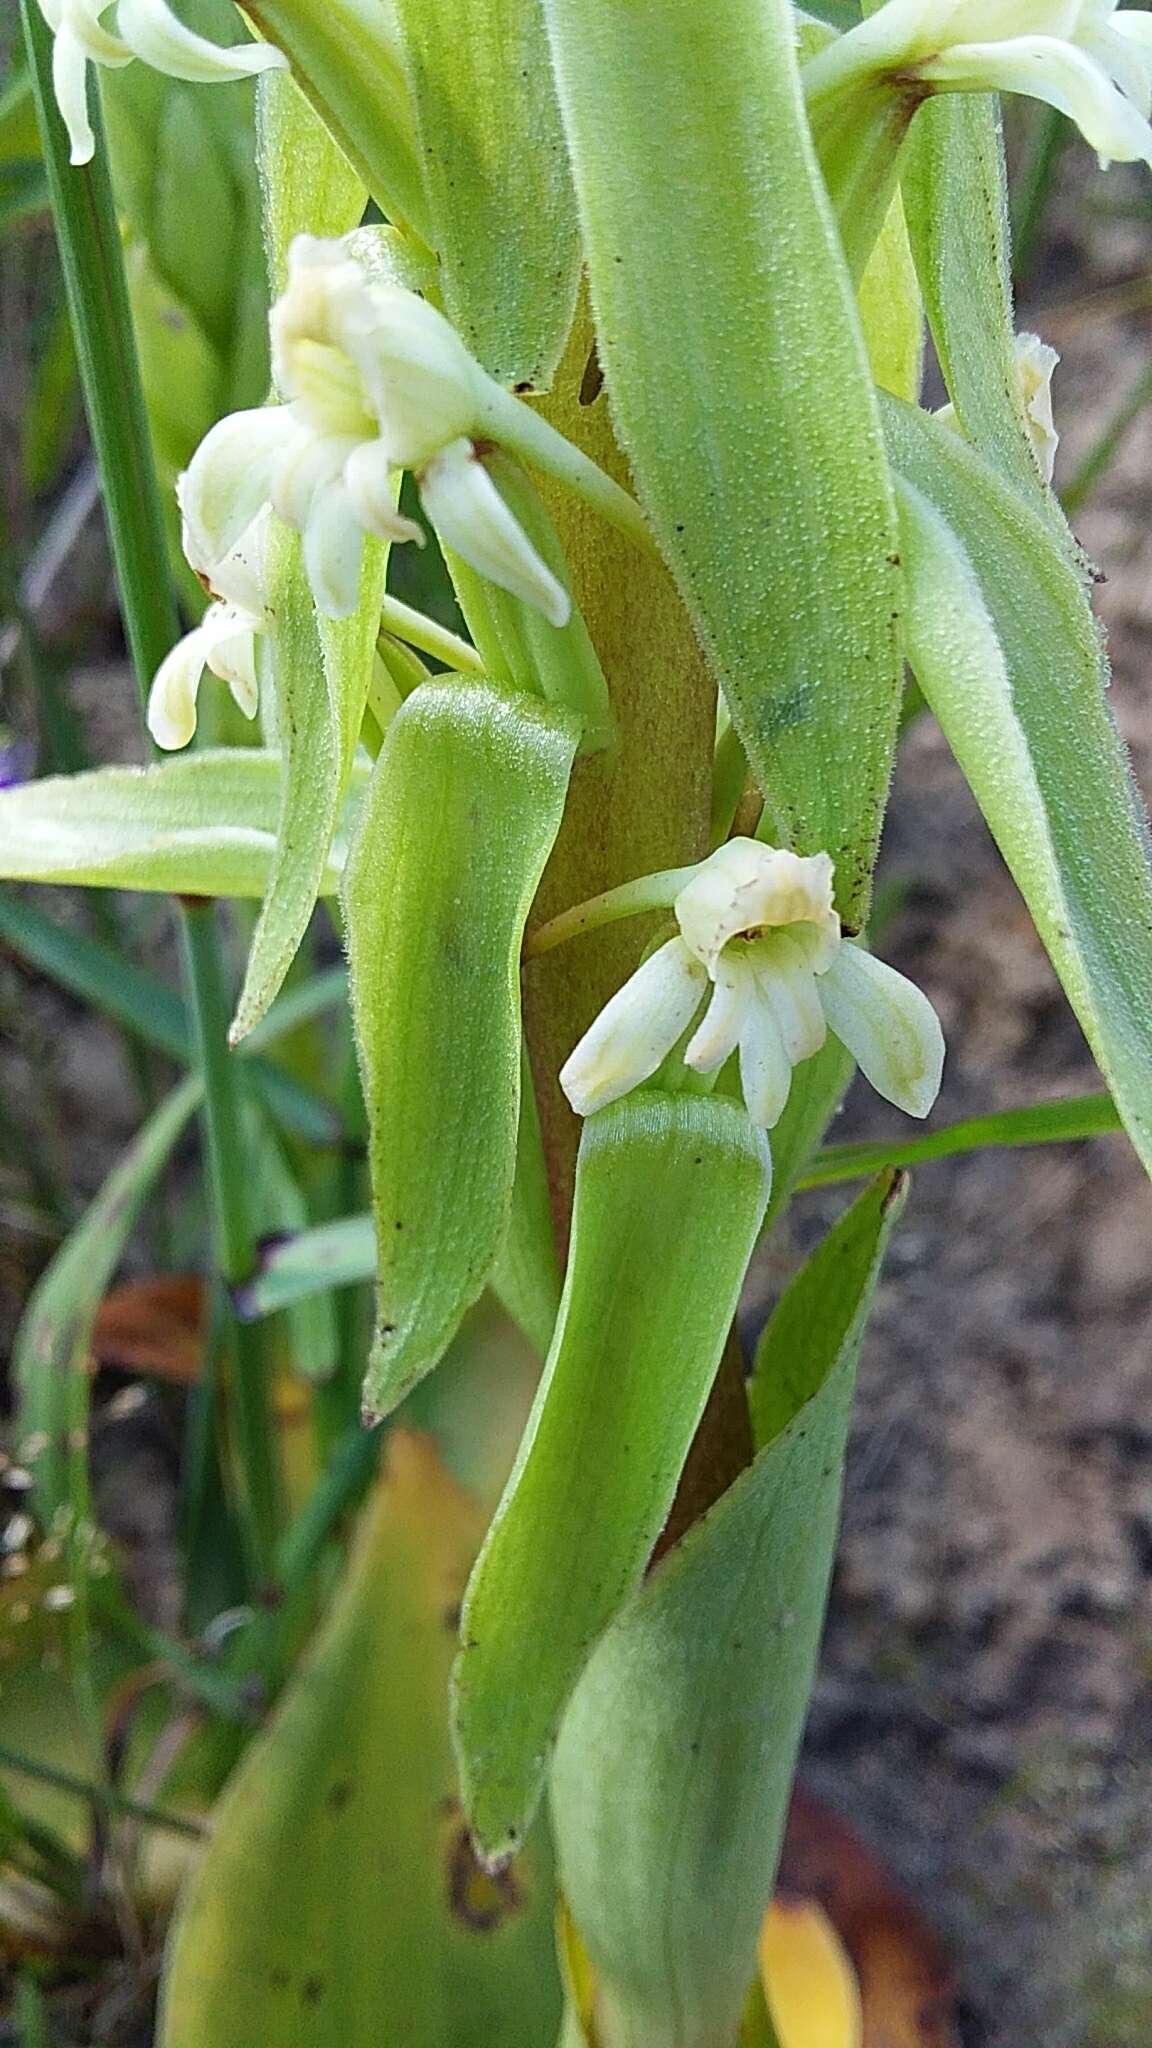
{"points": [[500, 196], [741, 391], [526, 1276], [322, 669], [346, 56], [674, 1765], [307, 184], [318, 668], [197, 825], [892, 310], [670, 1194], [957, 209], [338, 1905], [462, 813], [1008, 655]]}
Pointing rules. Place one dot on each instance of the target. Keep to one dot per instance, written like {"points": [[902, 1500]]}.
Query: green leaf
{"points": [[1042, 1123], [500, 196], [338, 1904], [201, 824], [1005, 648], [50, 1352], [346, 57], [670, 1193], [741, 391], [526, 1276], [956, 199], [674, 1764], [321, 669], [462, 813], [892, 310], [307, 184]]}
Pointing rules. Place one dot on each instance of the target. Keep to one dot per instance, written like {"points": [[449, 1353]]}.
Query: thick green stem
{"points": [[90, 253]]}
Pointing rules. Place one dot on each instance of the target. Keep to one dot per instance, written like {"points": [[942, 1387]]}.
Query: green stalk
{"points": [[91, 258], [232, 1215]]}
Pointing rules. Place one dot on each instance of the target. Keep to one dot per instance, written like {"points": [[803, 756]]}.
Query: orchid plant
{"points": [[567, 583]]}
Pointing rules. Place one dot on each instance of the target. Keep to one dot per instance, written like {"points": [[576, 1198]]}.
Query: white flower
{"points": [[224, 642], [374, 381], [1090, 60], [757, 924], [145, 29]]}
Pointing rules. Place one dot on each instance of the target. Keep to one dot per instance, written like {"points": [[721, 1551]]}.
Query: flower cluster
{"points": [[374, 381], [1089, 59], [145, 29], [759, 932]]}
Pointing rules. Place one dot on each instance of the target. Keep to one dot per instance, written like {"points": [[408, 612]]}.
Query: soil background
{"points": [[983, 1710]]}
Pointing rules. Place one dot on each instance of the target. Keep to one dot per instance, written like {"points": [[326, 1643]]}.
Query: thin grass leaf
{"points": [[50, 1352], [1045, 1123]]}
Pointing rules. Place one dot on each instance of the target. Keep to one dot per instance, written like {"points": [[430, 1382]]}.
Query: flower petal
{"points": [[785, 982], [468, 512], [719, 1032], [172, 698], [746, 886], [765, 1068], [310, 462], [229, 480], [370, 480], [1046, 69], [153, 33], [233, 659], [70, 85], [889, 1027], [333, 551], [636, 1030]]}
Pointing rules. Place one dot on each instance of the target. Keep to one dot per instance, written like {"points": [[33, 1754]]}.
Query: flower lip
{"points": [[745, 890]]}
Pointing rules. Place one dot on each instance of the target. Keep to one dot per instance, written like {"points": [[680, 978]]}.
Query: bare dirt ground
{"points": [[983, 1711]]}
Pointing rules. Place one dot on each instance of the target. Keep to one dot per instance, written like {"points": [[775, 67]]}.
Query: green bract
{"points": [[674, 1764], [741, 392], [460, 818], [670, 1194]]}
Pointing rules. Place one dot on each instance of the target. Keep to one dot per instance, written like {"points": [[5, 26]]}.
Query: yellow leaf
{"points": [[808, 1980]]}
